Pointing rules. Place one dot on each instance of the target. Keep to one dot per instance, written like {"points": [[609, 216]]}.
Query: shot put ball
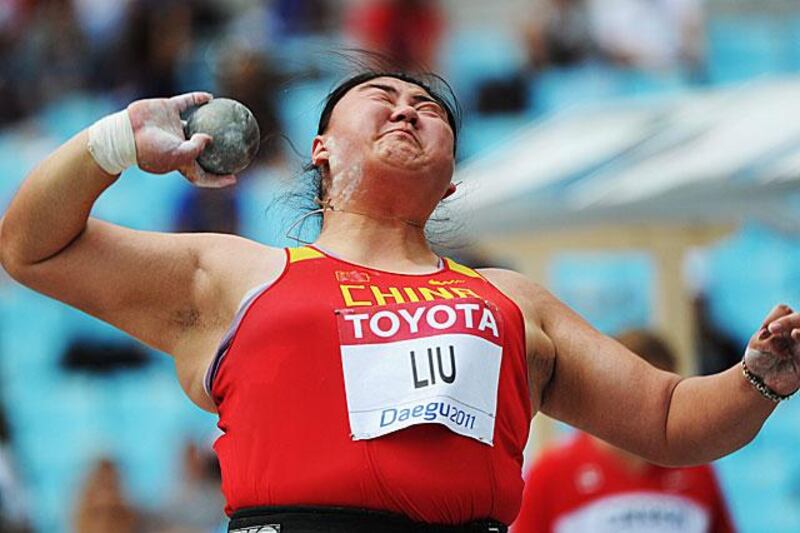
{"points": [[234, 131]]}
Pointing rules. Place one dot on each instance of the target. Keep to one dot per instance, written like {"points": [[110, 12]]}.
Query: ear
{"points": [[451, 189], [319, 152]]}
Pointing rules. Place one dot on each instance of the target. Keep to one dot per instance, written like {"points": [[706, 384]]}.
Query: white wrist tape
{"points": [[111, 142]]}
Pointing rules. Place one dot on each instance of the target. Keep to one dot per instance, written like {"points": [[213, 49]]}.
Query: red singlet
{"points": [[580, 486], [323, 356]]}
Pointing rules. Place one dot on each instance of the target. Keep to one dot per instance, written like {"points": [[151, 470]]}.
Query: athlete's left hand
{"points": [[773, 353]]}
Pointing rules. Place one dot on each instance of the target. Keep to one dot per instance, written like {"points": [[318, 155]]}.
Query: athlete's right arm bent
{"points": [[175, 292]]}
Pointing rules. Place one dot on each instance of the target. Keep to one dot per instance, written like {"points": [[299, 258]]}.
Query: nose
{"points": [[405, 113]]}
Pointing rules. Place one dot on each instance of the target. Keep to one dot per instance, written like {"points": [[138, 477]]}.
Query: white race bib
{"points": [[422, 363], [637, 513]]}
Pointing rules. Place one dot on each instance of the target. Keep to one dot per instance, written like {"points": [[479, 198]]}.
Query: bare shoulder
{"points": [[535, 302], [230, 254], [532, 298], [229, 266]]}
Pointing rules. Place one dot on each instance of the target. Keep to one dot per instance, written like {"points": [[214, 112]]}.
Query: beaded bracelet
{"points": [[762, 387]]}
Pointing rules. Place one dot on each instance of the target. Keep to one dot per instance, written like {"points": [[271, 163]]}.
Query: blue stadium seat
{"points": [[743, 47], [470, 56], [70, 114], [558, 89], [482, 132], [300, 105], [759, 279], [20, 151]]}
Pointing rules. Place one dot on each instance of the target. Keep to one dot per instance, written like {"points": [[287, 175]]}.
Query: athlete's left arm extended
{"points": [[599, 386]]}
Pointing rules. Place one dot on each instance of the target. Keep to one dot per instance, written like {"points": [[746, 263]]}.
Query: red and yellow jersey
{"points": [[341, 385], [581, 486]]}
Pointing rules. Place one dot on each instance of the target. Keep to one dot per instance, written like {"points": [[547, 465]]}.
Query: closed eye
{"points": [[379, 93], [379, 96], [431, 108]]}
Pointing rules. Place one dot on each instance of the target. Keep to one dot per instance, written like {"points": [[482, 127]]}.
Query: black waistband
{"points": [[302, 519]]}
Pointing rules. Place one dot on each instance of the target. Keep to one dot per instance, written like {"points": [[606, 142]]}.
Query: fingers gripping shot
{"points": [[363, 383]]}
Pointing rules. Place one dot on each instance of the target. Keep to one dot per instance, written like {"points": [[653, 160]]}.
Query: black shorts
{"points": [[342, 520]]}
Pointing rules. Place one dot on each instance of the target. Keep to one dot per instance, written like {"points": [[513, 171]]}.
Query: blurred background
{"points": [[641, 158]]}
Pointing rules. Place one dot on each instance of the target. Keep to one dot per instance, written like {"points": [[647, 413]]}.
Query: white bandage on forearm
{"points": [[111, 142]]}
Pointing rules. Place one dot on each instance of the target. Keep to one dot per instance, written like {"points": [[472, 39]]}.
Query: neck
{"points": [[385, 243]]}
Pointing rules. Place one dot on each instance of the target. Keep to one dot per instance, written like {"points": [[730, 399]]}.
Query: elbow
{"points": [[678, 447], [5, 250], [10, 262], [13, 268]]}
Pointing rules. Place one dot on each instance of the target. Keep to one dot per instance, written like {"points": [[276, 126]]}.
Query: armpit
{"points": [[541, 364], [191, 318]]}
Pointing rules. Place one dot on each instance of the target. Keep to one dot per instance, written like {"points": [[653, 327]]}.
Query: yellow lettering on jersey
{"points": [[432, 294], [348, 296], [366, 295], [412, 296], [463, 292], [380, 297]]}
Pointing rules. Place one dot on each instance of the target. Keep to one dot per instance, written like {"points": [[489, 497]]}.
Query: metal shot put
{"points": [[234, 132]]}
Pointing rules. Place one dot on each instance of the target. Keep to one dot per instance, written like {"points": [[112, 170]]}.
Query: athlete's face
{"points": [[387, 128]]}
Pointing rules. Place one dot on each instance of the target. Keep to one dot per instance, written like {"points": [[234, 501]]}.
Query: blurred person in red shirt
{"points": [[588, 485], [408, 31]]}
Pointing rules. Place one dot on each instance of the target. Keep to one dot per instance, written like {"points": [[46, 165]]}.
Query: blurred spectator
{"points": [[302, 17], [407, 31], [13, 507], [650, 34], [100, 20], [48, 55], [156, 45], [14, 14], [588, 485], [15, 17], [197, 505], [558, 34], [102, 506], [716, 350], [154, 39], [209, 210]]}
